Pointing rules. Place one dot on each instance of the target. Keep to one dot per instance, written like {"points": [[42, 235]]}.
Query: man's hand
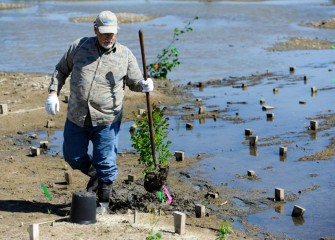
{"points": [[147, 85], [52, 104]]}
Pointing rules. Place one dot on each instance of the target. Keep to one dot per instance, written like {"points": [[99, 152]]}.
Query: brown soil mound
{"points": [[7, 6], [121, 17], [326, 23], [302, 43]]}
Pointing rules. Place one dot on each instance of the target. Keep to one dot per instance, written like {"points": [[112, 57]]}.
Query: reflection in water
{"points": [[313, 135], [253, 151], [282, 153], [202, 120], [298, 221], [280, 208], [270, 117], [283, 158]]}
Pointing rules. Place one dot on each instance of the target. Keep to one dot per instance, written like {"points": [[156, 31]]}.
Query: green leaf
{"points": [[168, 58], [46, 192], [141, 139]]}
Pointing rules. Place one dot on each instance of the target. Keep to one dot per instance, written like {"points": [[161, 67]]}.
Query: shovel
{"points": [[153, 181]]}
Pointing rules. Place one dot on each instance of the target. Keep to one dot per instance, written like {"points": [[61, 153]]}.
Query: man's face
{"points": [[105, 40]]}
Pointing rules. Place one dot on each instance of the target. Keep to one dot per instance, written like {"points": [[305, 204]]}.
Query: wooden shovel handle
{"points": [[145, 75]]}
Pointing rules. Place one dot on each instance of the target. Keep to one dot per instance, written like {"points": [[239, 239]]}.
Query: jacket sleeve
{"points": [[134, 75], [63, 68]]}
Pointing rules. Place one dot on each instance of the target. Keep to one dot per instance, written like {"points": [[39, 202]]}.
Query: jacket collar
{"points": [[112, 49]]}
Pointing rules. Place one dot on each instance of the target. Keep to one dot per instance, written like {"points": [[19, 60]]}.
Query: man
{"points": [[100, 67]]}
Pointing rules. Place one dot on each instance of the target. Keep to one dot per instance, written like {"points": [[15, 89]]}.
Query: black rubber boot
{"points": [[92, 185], [104, 192]]}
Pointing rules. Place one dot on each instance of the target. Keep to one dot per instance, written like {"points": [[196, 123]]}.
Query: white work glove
{"points": [[52, 104], [147, 85]]}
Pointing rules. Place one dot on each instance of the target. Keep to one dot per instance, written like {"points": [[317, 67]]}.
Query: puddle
{"points": [[240, 204], [315, 223], [228, 40]]}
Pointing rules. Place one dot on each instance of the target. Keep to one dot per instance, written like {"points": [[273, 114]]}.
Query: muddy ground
{"points": [[23, 202]]}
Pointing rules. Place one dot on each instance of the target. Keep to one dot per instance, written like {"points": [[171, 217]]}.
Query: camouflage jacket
{"points": [[97, 80]]}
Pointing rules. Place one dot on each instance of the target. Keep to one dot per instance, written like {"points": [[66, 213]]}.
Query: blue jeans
{"points": [[105, 142]]}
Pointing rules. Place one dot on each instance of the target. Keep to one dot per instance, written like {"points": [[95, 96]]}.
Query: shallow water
{"points": [[228, 40]]}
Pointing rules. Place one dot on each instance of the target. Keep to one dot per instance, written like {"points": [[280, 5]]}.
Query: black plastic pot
{"points": [[83, 208]]}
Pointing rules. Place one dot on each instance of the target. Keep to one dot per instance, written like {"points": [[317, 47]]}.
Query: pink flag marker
{"points": [[167, 193]]}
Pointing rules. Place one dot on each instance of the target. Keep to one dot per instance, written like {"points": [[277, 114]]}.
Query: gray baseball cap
{"points": [[106, 22]]}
